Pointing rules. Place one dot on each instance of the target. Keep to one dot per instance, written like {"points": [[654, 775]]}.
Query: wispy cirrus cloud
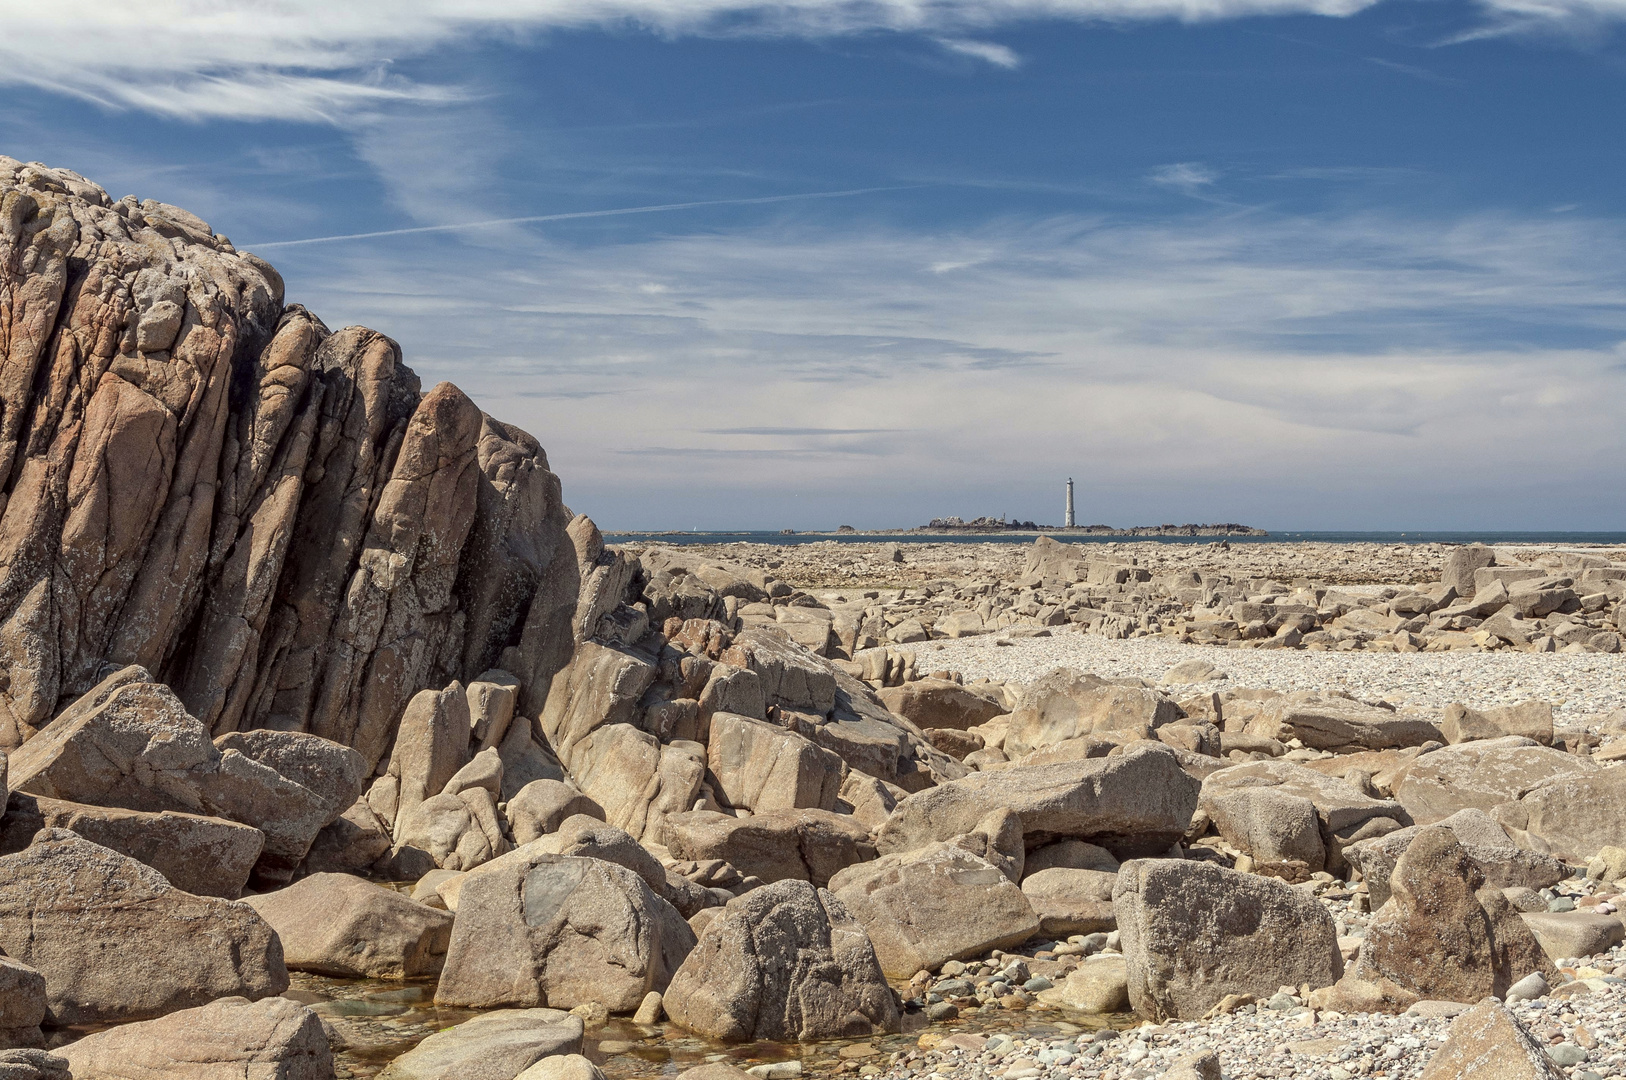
{"points": [[322, 62]]}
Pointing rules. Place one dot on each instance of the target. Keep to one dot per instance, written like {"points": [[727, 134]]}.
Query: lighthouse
{"points": [[1069, 518]]}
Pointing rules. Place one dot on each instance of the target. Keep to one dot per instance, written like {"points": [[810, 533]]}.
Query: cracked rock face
{"points": [[269, 516]]}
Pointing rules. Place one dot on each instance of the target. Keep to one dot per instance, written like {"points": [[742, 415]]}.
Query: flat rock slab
{"points": [[335, 924], [229, 1039], [497, 1046]]}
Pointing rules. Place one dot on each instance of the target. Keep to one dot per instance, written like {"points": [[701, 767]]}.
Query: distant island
{"points": [[999, 525]]}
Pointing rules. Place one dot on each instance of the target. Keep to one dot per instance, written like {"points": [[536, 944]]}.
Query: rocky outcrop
{"points": [[496, 1046], [334, 924], [779, 845]]}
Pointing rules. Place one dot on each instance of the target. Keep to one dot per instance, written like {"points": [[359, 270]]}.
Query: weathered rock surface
{"points": [[540, 806], [228, 1039], [539, 929], [940, 703], [941, 902], [1444, 934], [335, 924], [799, 845], [1488, 1043], [1192, 932], [205, 856], [1564, 935], [1529, 719], [785, 962], [1099, 985], [1281, 810], [1071, 901], [1480, 775], [496, 1046], [1499, 861], [1137, 803], [23, 1004], [1324, 721], [1066, 704], [1574, 816], [116, 942]]}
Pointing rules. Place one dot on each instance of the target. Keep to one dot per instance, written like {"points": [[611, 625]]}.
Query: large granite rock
{"points": [[116, 942], [540, 806], [23, 1005], [1280, 810], [1136, 803], [1066, 704], [205, 856], [335, 924], [637, 780], [1565, 935], [539, 929], [1444, 934], [799, 845], [431, 745], [496, 1046], [1193, 932], [924, 907], [784, 962], [130, 743], [228, 1039], [940, 703], [1497, 859], [1480, 775], [759, 766], [1070, 901], [1574, 816], [1529, 719], [1327, 721], [791, 676]]}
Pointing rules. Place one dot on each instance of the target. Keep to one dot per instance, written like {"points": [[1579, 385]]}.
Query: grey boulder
{"points": [[335, 924]]}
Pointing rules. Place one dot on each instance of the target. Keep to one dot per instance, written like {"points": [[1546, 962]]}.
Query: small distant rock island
{"points": [[999, 525]]}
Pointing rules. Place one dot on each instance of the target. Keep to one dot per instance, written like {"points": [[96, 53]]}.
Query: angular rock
{"points": [[116, 942], [762, 767], [1139, 802], [1444, 934], [636, 780], [350, 844], [868, 799], [1575, 816], [791, 676], [457, 832], [431, 745], [778, 845], [32, 1064], [1193, 932], [534, 928], [338, 925], [1066, 704], [1262, 803], [1324, 721], [1498, 860], [1069, 854], [496, 1046], [335, 773], [1099, 985], [784, 962], [23, 1004], [1529, 719], [1488, 1043], [1566, 935], [1460, 564], [924, 907], [205, 856], [228, 1039], [1480, 775], [600, 687]]}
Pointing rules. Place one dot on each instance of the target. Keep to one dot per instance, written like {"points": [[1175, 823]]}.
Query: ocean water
{"points": [[1419, 537]]}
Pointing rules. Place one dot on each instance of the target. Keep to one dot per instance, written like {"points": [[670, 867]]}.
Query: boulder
{"points": [[1137, 803], [600, 686], [779, 845], [589, 838], [540, 929], [1326, 721], [129, 743], [457, 832], [539, 807], [1529, 719], [205, 856], [351, 843], [924, 907], [33, 1064], [1444, 934], [1066, 704], [336, 773], [496, 1046], [1279, 811], [23, 1005], [1098, 986], [228, 1039], [338, 925], [116, 942], [1494, 855], [1575, 816], [762, 767], [637, 780], [940, 703], [868, 799], [431, 745], [1460, 564], [953, 742], [1192, 932], [1489, 1043], [492, 698], [784, 962], [562, 1067], [1071, 901], [1568, 935], [1480, 775]]}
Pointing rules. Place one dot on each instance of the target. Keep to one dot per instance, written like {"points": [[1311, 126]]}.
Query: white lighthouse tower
{"points": [[1070, 521]]}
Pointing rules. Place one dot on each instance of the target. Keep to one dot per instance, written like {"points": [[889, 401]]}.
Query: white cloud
{"points": [[988, 51], [1295, 371], [1187, 176]]}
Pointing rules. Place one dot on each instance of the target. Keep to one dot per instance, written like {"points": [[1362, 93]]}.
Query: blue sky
{"points": [[1298, 263]]}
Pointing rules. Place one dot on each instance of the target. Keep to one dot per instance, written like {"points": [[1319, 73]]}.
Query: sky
{"points": [[1300, 264]]}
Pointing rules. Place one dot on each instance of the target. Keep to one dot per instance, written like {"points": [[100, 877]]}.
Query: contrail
{"points": [[570, 217]]}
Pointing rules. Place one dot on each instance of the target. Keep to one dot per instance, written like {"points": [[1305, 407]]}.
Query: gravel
{"points": [[1576, 684]]}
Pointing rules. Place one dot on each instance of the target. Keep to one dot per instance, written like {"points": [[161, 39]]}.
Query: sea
{"points": [[1285, 537]]}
